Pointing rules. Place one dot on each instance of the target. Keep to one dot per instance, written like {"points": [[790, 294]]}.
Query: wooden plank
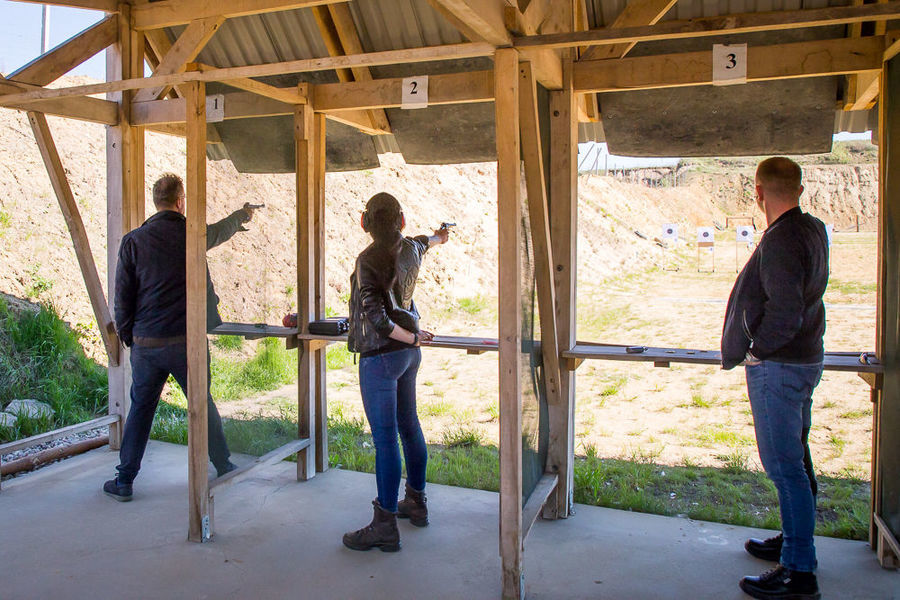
{"points": [[104, 5], [478, 20], [351, 44], [545, 488], [286, 95], [195, 191], [506, 78], [888, 548], [154, 15], [453, 88], [184, 50], [635, 13], [330, 37], [254, 331], [321, 284], [93, 110], [80, 241], [536, 184], [563, 235], [305, 153], [718, 25], [269, 458], [864, 91], [783, 61], [412, 55], [55, 63], [49, 436]]}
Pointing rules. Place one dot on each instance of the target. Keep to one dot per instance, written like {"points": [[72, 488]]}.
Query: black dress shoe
{"points": [[782, 584], [117, 491], [769, 549], [228, 467]]}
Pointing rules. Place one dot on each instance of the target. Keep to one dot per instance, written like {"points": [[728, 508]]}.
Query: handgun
{"points": [[446, 225], [254, 206]]}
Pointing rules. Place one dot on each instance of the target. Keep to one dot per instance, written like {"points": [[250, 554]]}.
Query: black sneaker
{"points": [[227, 468], [769, 549], [117, 491], [780, 583]]}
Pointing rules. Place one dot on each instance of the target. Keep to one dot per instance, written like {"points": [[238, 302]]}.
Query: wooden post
{"points": [[124, 199], [197, 351], [319, 241], [563, 235], [506, 82], [305, 155], [886, 453]]}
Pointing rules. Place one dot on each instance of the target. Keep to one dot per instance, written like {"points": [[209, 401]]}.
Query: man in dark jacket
{"points": [[150, 310], [774, 325]]}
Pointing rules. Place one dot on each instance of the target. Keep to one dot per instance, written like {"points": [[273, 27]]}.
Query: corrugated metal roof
{"points": [[602, 13]]}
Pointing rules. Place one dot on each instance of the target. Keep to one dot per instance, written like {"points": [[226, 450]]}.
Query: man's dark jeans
{"points": [[388, 385], [781, 401], [150, 368]]}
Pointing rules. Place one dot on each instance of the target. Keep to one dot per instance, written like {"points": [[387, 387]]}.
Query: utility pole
{"points": [[45, 28]]}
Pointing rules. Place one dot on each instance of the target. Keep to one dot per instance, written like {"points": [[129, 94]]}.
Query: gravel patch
{"points": [[66, 441]]}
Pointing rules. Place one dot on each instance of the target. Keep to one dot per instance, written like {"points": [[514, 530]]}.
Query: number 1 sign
{"points": [[415, 92], [729, 64]]}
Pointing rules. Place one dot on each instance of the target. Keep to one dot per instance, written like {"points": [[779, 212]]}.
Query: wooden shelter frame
{"points": [[530, 46]]}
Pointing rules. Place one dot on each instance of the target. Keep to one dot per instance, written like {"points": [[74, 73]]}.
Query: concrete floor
{"points": [[60, 537]]}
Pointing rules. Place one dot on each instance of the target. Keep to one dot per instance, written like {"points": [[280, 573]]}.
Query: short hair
{"points": [[167, 189], [780, 176]]}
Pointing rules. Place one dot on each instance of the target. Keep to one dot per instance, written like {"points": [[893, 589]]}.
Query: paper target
{"points": [[706, 235], [745, 234], [670, 231], [829, 232]]}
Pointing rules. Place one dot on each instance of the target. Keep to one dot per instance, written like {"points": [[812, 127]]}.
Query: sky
{"points": [[20, 42]]}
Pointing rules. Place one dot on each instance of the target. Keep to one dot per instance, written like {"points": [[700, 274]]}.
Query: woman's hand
{"points": [[425, 337]]}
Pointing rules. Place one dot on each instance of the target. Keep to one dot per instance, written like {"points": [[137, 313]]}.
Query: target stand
{"points": [[706, 244]]}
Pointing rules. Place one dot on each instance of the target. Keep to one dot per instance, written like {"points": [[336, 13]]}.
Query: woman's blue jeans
{"points": [[781, 401], [388, 385]]}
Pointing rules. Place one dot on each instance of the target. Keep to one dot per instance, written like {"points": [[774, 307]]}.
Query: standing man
{"points": [[774, 325], [151, 309]]}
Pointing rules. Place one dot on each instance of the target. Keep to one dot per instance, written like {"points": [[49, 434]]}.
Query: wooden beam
{"points": [[351, 44], [764, 63], [478, 20], [269, 458], [719, 25], [305, 154], [563, 235], [184, 50], [321, 406], [70, 212], [506, 107], [93, 110], [635, 14], [864, 91], [538, 499], [332, 40], [49, 436], [286, 95], [104, 5], [154, 15], [536, 183], [55, 63], [414, 55], [195, 191]]}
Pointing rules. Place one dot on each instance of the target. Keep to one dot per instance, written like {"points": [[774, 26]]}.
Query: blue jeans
{"points": [[388, 385], [781, 401], [150, 368]]}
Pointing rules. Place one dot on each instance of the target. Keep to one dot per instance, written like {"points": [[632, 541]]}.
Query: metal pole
{"points": [[45, 28]]}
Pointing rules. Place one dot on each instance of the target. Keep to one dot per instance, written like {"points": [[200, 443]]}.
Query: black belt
{"points": [[149, 342]]}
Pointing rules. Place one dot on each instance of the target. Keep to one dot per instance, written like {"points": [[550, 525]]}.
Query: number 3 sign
{"points": [[729, 64], [415, 92]]}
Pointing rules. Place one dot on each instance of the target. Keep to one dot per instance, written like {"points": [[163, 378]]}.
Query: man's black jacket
{"points": [[151, 298], [776, 303]]}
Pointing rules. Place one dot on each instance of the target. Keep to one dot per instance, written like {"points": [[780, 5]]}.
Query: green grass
{"points": [[228, 342], [856, 414], [851, 287], [271, 367], [462, 435], [41, 358], [438, 408], [474, 304], [713, 435], [613, 386], [338, 357]]}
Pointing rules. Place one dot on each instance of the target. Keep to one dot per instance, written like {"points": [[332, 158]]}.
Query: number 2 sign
{"points": [[415, 92], [729, 64]]}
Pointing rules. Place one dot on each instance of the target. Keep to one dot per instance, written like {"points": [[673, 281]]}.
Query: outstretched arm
{"points": [[222, 231]]}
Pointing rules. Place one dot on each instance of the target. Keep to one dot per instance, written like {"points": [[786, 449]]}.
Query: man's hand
{"points": [[750, 360], [252, 208], [442, 236]]}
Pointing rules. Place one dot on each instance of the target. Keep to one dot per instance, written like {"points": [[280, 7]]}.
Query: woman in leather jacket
{"points": [[384, 330]]}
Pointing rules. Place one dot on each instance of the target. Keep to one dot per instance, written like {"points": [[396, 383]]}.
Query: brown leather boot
{"points": [[413, 507], [381, 533]]}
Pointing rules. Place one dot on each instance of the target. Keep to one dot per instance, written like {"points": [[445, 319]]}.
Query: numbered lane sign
{"points": [[729, 64], [415, 92], [215, 108], [705, 235], [829, 231], [745, 234], [670, 231]]}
